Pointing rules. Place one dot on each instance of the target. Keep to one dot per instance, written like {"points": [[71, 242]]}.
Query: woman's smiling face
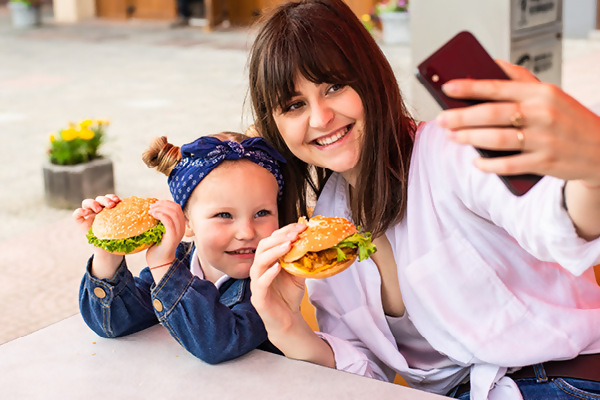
{"points": [[323, 125]]}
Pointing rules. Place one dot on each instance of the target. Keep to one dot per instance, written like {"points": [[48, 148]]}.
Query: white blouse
{"points": [[491, 280]]}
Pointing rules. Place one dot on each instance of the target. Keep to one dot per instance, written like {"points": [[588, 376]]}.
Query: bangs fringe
{"points": [[298, 52]]}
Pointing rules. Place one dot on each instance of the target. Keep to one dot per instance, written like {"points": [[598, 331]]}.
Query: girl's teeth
{"points": [[332, 139], [249, 251]]}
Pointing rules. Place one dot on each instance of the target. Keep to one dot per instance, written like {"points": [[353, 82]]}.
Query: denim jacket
{"points": [[213, 324]]}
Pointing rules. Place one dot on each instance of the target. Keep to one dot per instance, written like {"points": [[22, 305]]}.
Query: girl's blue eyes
{"points": [[263, 213], [226, 215]]}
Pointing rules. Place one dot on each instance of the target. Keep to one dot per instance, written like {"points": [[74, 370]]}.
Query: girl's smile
{"points": [[243, 253]]}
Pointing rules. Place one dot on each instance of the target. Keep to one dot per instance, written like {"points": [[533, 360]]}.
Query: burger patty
{"points": [[316, 261]]}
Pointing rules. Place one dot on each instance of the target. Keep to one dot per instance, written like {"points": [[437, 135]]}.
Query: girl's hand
{"points": [[105, 264], [276, 294], [84, 216], [556, 134], [163, 254]]}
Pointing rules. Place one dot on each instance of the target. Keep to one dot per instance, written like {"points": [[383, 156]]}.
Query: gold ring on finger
{"points": [[517, 120], [521, 138]]}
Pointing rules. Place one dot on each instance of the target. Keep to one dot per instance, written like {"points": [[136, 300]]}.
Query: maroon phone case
{"points": [[464, 57]]}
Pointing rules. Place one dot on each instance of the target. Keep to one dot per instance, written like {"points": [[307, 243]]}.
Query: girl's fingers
{"points": [[170, 214], [93, 205], [80, 214], [107, 202]]}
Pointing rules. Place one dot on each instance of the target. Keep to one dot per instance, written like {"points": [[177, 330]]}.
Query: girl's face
{"points": [[229, 212], [323, 125]]}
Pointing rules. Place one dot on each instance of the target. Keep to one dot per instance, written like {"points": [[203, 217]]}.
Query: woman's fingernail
{"points": [[285, 245], [451, 135], [449, 88], [441, 120]]}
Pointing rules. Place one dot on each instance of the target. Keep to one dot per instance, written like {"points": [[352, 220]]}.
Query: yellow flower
{"points": [[86, 134], [52, 137], [86, 123], [366, 18], [68, 134], [103, 122]]}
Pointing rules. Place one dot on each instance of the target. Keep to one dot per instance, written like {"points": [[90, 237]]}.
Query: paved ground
{"points": [[148, 80]]}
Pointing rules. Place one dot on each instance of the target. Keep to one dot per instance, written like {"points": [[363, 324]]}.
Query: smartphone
{"points": [[464, 57]]}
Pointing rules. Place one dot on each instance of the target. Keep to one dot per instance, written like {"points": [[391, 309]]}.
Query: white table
{"points": [[68, 361]]}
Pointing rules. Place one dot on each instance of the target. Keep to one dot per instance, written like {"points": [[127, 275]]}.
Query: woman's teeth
{"points": [[332, 139]]}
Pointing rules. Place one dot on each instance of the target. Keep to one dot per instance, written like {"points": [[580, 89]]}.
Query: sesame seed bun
{"points": [[312, 255]]}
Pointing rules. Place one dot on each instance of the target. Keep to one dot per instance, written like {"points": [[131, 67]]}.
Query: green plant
{"points": [[78, 143], [29, 3], [391, 6]]}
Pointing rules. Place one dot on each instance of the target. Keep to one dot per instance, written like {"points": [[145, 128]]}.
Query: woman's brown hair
{"points": [[323, 41]]}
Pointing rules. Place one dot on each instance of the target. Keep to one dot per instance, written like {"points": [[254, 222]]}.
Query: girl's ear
{"points": [[189, 232]]}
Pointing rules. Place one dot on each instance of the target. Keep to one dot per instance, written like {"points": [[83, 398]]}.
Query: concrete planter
{"points": [[24, 15], [67, 185], [395, 27]]}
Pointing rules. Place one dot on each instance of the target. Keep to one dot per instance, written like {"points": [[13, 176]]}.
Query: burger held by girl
{"points": [[226, 190]]}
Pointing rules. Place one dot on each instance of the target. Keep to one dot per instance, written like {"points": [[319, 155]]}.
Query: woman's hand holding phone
{"points": [[561, 137], [464, 58]]}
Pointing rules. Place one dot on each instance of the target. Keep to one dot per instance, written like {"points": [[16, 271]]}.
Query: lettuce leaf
{"points": [[362, 241], [126, 246]]}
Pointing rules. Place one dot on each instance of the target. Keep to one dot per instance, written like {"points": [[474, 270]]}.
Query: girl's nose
{"points": [[245, 231], [320, 115]]}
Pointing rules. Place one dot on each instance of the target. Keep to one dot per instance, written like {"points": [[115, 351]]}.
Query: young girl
{"points": [[226, 189], [470, 284]]}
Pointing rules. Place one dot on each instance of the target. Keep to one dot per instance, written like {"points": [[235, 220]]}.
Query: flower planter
{"points": [[24, 15], [67, 185], [395, 27]]}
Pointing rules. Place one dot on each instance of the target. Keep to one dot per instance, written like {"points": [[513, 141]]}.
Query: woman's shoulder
{"points": [[432, 146], [430, 132]]}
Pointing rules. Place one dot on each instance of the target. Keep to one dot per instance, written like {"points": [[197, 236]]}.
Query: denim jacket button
{"points": [[99, 292], [157, 305]]}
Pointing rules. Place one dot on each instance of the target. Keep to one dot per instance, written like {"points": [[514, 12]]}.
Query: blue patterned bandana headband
{"points": [[208, 152]]}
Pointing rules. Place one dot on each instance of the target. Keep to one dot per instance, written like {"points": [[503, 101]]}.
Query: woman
{"points": [[470, 282]]}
